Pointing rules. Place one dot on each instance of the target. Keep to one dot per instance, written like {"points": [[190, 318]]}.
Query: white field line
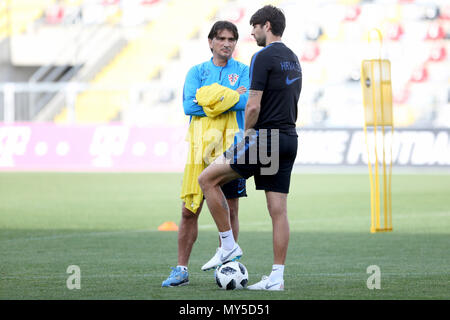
{"points": [[213, 226], [210, 275]]}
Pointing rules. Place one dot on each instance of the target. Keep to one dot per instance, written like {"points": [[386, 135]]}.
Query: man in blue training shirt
{"points": [[223, 70]]}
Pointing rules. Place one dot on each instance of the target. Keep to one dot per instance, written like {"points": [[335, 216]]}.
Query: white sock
{"points": [[277, 273], [184, 268], [227, 240]]}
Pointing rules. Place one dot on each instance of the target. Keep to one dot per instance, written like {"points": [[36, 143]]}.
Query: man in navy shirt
{"points": [[269, 147]]}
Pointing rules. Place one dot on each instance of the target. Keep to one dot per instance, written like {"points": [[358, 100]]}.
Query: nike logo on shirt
{"points": [[291, 81]]}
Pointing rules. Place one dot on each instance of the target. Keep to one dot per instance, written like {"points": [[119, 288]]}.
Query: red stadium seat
{"points": [[437, 54], [395, 31], [310, 53], [419, 75], [54, 14], [435, 32], [352, 13], [237, 15], [444, 12], [149, 2], [110, 2]]}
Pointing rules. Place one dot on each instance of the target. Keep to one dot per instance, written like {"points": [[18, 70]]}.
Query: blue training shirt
{"points": [[234, 75]]}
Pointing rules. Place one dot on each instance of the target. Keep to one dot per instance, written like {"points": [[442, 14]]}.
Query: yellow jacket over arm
{"points": [[208, 138]]}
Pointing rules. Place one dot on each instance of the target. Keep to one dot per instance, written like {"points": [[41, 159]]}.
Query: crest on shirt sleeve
{"points": [[233, 78]]}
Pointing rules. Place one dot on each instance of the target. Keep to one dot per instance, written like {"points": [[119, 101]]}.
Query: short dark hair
{"points": [[223, 25], [272, 14]]}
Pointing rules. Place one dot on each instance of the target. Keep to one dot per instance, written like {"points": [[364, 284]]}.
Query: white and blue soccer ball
{"points": [[231, 275]]}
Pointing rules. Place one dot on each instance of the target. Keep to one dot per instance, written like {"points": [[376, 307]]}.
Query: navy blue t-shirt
{"points": [[276, 70]]}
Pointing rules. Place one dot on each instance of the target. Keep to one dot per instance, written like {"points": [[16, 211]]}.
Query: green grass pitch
{"points": [[106, 223]]}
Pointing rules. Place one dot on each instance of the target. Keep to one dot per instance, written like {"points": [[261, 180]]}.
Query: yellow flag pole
{"points": [[377, 99]]}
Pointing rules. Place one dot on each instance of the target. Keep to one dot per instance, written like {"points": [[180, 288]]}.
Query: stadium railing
{"points": [[135, 98], [144, 57]]}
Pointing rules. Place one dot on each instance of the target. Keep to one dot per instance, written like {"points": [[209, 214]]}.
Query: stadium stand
{"points": [[329, 36], [143, 58], [331, 39]]}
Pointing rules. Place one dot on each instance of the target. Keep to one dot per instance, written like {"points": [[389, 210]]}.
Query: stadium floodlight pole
{"points": [[377, 100]]}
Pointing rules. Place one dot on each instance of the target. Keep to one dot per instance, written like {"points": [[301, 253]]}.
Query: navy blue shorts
{"points": [[235, 189], [268, 156]]}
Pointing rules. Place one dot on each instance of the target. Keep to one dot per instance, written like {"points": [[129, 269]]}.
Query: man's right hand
{"points": [[241, 90]]}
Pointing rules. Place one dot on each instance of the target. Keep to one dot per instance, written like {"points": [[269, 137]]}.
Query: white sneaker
{"points": [[223, 256], [265, 284]]}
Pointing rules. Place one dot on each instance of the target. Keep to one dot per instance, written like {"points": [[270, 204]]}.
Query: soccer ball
{"points": [[231, 275]]}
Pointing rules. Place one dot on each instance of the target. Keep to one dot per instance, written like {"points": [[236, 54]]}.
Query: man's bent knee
{"points": [[203, 180], [187, 214], [208, 178]]}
